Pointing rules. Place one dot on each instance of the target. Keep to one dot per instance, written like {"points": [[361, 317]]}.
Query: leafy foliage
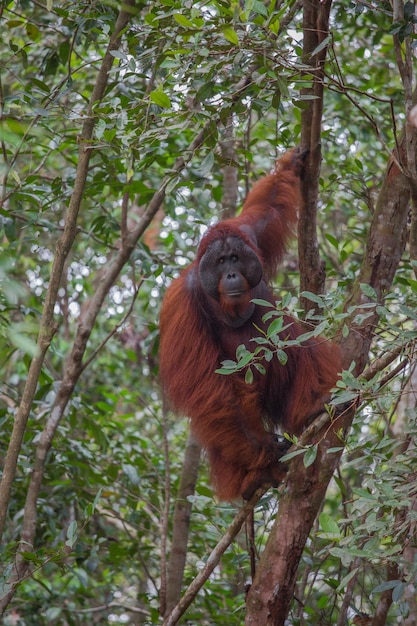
{"points": [[184, 70]]}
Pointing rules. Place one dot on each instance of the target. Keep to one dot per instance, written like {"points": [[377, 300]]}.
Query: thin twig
{"points": [[214, 558]]}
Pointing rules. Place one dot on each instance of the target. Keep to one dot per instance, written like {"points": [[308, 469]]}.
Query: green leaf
{"points": [[409, 9], [32, 31], [310, 456], [32, 557], [22, 341], [71, 534], [261, 302], [10, 229], [368, 291], [182, 20], [160, 98], [229, 364], [323, 44], [207, 164], [225, 371], [249, 376], [291, 455], [313, 297], [245, 358], [274, 23], [328, 525], [230, 34], [118, 54], [276, 326], [99, 129], [131, 472], [282, 357], [346, 579], [92, 506], [386, 586], [320, 328], [398, 591], [331, 239], [52, 613]]}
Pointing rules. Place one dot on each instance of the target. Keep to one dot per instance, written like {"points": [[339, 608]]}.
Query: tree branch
{"points": [[214, 558], [180, 524], [315, 34], [47, 324], [64, 243]]}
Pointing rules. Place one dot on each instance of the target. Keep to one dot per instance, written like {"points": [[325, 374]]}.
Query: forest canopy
{"points": [[126, 130]]}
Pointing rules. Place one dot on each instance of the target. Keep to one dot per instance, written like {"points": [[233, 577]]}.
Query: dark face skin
{"points": [[229, 270]]}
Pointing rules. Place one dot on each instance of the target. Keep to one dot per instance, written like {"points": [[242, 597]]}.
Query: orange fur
{"points": [[233, 420]]}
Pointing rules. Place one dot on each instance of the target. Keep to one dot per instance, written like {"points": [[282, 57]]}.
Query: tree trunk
{"points": [[271, 594], [181, 524], [315, 32]]}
